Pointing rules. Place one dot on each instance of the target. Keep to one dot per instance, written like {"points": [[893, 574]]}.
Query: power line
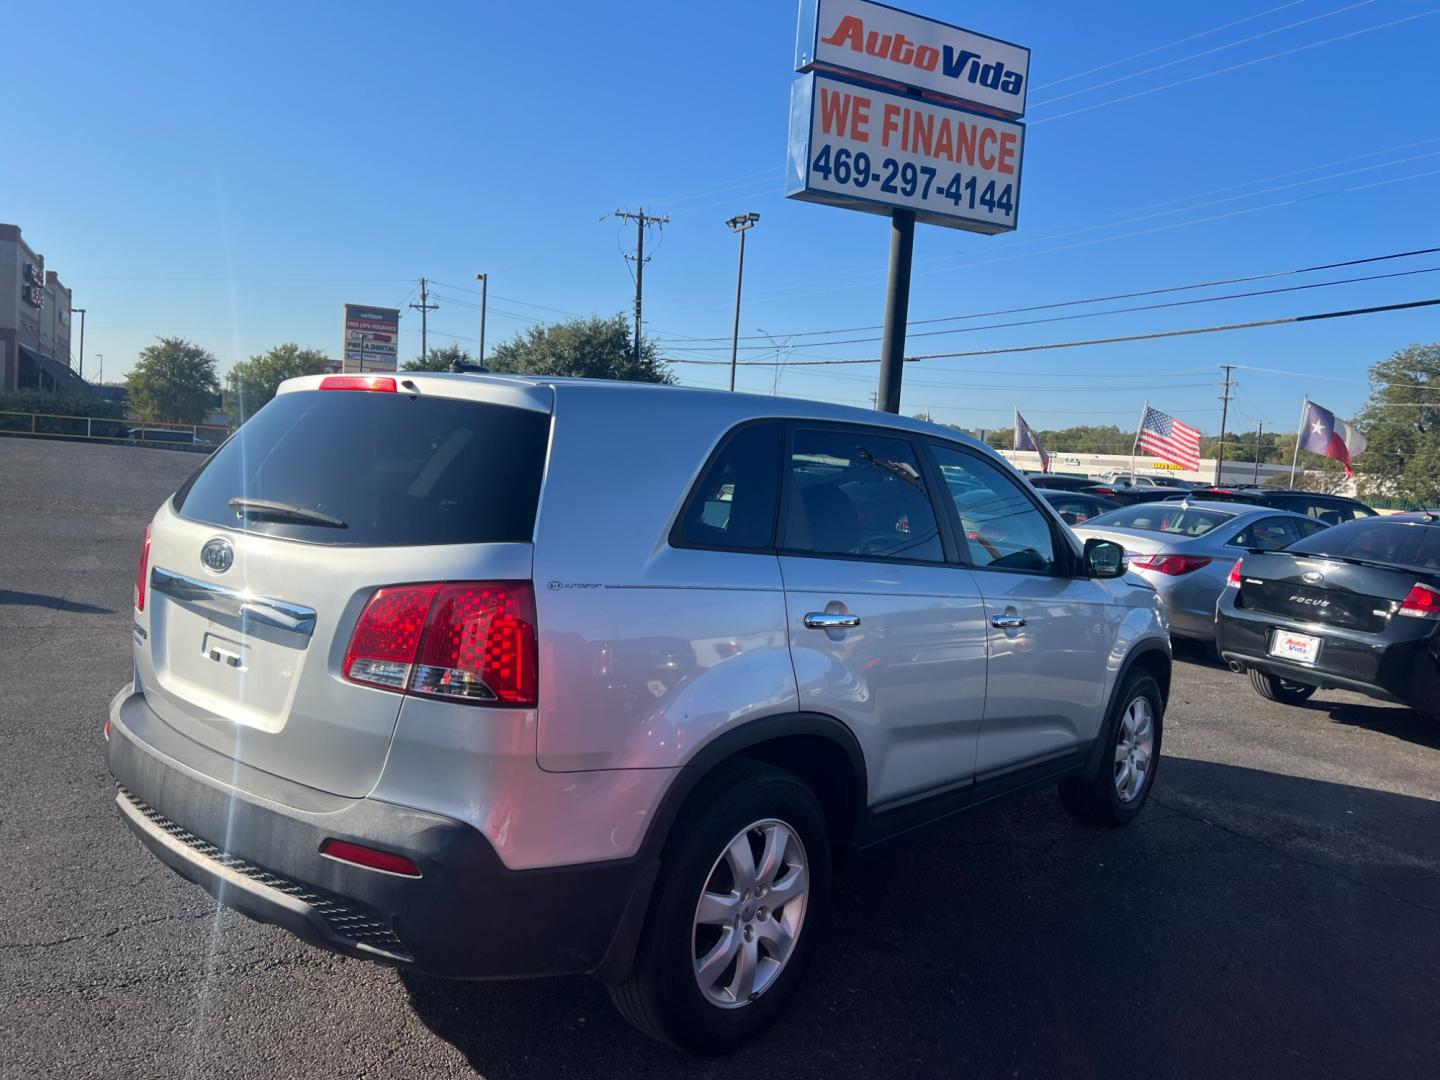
{"points": [[1113, 311], [1292, 319]]}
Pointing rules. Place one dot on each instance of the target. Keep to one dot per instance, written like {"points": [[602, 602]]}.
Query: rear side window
{"points": [[1329, 511], [854, 493], [375, 469], [733, 505], [1271, 533]]}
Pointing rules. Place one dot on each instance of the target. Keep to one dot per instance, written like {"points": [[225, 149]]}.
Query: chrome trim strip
{"points": [[233, 603]]}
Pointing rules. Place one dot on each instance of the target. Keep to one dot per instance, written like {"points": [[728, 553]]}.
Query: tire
{"points": [[1129, 762], [1274, 688], [663, 996]]}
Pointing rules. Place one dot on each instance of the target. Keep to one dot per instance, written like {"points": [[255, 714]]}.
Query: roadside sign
{"points": [[866, 149], [371, 337], [897, 49]]}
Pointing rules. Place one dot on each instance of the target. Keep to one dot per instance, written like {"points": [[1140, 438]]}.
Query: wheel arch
{"points": [[1150, 655]]}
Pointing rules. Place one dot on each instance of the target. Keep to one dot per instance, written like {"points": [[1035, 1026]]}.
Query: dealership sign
{"points": [[372, 337], [898, 49], [868, 149]]}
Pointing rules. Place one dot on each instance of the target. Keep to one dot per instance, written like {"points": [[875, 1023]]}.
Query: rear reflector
{"points": [[1233, 581], [1172, 565], [368, 857], [142, 571], [373, 383], [468, 641], [1422, 602]]}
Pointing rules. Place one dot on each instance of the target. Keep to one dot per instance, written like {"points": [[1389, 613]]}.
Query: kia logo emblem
{"points": [[217, 556], [1313, 577]]}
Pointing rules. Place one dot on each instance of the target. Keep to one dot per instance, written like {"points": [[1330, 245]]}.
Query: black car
{"points": [[1078, 507], [1331, 509], [1354, 607], [1053, 482], [1126, 494]]}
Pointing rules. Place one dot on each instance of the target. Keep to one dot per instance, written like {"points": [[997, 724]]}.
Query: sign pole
{"points": [[1136, 444], [1299, 434], [897, 309]]}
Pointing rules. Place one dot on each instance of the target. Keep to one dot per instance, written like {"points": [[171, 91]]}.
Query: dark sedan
{"points": [[1078, 507], [1128, 494], [1354, 607], [1058, 483]]}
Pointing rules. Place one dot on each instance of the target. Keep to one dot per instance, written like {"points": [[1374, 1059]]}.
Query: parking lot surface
{"points": [[1274, 912]]}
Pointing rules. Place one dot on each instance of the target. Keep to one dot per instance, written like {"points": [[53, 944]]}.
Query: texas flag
{"points": [[1025, 439], [1321, 433]]}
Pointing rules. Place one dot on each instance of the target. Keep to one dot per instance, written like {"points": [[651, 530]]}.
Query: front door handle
{"points": [[1007, 622], [831, 620]]}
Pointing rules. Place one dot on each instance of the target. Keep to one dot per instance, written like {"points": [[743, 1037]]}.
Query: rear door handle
{"points": [[831, 620], [1007, 622]]}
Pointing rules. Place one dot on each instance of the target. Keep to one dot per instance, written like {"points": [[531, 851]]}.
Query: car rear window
{"points": [[1160, 517], [1376, 540], [394, 469]]}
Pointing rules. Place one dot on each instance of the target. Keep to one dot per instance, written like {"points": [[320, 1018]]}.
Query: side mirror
{"points": [[1104, 559]]}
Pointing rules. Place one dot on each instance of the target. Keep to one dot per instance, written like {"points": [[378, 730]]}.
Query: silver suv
{"points": [[497, 676]]}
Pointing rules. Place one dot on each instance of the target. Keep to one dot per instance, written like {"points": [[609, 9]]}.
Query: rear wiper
{"points": [[278, 511]]}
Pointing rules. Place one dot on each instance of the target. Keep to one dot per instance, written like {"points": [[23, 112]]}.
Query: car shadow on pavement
{"points": [[1393, 720], [54, 603], [1249, 923]]}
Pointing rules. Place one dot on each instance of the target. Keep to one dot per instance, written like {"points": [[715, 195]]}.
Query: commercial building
{"points": [[35, 310]]}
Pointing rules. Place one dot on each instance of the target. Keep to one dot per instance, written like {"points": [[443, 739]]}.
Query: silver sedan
{"points": [[1186, 549]]}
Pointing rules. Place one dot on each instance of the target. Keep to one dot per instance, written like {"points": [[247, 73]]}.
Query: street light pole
{"points": [[484, 280], [740, 223], [81, 312]]}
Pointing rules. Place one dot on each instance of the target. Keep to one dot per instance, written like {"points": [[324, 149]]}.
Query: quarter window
{"points": [[858, 494], [733, 505], [1003, 529]]}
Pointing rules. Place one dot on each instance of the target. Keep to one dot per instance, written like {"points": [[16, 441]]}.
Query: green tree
{"points": [[591, 348], [250, 384], [1276, 447], [173, 381], [1401, 421], [438, 359]]}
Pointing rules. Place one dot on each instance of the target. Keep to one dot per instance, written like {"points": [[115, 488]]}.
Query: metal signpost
{"points": [[372, 338], [896, 114]]}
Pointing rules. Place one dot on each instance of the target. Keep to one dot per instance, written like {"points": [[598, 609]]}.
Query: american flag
{"points": [[1170, 439]]}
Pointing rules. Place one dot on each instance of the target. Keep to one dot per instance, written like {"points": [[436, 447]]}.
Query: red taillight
{"points": [[142, 571], [1103, 490], [1173, 565], [1422, 602], [1233, 581], [382, 649], [374, 383], [368, 857], [470, 641]]}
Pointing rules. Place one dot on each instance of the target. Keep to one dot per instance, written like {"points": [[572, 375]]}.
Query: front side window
{"points": [[733, 505], [1002, 528], [853, 493]]}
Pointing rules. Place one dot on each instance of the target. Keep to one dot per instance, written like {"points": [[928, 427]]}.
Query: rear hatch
{"points": [[242, 650], [1314, 589]]}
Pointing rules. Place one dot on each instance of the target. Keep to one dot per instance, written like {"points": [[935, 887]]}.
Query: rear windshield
{"points": [[1410, 544], [1161, 517], [356, 468]]}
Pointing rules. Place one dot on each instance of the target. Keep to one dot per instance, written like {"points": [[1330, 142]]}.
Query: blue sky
{"points": [[235, 175]]}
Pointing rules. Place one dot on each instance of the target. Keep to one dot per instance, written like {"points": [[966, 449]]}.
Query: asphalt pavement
{"points": [[1273, 913]]}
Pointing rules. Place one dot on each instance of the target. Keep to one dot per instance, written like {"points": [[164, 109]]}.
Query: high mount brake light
{"points": [[1171, 565], [142, 571], [466, 641], [1422, 602], [373, 383]]}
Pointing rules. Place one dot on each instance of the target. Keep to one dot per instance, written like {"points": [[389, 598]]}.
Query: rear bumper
{"points": [[1404, 671], [466, 916]]}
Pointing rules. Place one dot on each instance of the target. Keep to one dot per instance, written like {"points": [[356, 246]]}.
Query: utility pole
{"points": [[740, 223], [1259, 442], [484, 280], [81, 312], [1224, 415], [424, 307], [641, 220]]}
